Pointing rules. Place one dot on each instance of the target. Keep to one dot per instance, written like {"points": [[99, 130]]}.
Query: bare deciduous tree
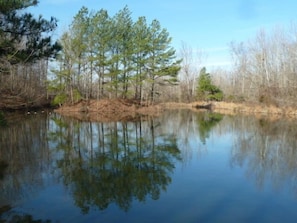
{"points": [[264, 68], [190, 67]]}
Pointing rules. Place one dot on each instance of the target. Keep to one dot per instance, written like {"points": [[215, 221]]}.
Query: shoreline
{"points": [[125, 109], [109, 109]]}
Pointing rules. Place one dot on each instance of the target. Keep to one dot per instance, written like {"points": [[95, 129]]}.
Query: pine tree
{"points": [[130, 58], [140, 55], [26, 46], [78, 44], [124, 40], [206, 90], [162, 66], [22, 37], [100, 41]]}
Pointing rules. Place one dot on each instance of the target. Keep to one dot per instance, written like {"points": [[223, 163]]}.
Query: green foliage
{"points": [[119, 54], [207, 121], [76, 95], [63, 96], [22, 28], [206, 90], [119, 173], [59, 99], [7, 6], [216, 94], [162, 66]]}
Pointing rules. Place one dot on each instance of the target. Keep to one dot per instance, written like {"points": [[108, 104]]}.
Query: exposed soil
{"points": [[121, 109], [124, 109], [108, 110]]}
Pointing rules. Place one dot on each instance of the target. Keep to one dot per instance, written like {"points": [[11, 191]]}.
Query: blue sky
{"points": [[208, 25]]}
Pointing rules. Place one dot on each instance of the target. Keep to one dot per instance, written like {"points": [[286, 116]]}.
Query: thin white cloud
{"points": [[216, 49]]}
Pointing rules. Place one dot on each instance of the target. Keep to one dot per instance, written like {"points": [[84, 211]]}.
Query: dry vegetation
{"points": [[9, 101], [108, 110], [227, 107], [122, 109]]}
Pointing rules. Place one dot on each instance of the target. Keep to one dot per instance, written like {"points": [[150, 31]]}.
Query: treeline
{"points": [[103, 56], [264, 69], [112, 57]]}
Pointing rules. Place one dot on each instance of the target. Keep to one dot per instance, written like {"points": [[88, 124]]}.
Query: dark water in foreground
{"points": [[180, 167]]}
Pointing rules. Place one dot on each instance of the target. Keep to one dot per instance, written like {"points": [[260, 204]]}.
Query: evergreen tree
{"points": [[78, 43], [130, 59], [205, 89], [140, 56], [7, 6], [123, 40], [161, 65], [26, 46], [100, 41], [22, 37]]}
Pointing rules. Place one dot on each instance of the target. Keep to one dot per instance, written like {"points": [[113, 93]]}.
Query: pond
{"points": [[182, 166]]}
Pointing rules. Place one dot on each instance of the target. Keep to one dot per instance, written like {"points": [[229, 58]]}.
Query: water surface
{"points": [[183, 166]]}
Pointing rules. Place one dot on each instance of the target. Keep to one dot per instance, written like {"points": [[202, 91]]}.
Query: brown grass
{"points": [[122, 109], [108, 110]]}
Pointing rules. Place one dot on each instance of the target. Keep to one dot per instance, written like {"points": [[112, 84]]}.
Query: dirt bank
{"points": [[122, 109], [108, 110]]}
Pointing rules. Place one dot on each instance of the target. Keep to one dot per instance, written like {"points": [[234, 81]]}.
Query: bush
{"points": [[76, 95], [218, 96], [59, 99], [206, 90]]}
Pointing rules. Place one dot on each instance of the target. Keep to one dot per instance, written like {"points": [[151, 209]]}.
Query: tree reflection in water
{"points": [[119, 163], [105, 163], [206, 122], [24, 158], [3, 167], [268, 149], [23, 219]]}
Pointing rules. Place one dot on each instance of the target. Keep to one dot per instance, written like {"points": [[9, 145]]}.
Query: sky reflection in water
{"points": [[180, 167]]}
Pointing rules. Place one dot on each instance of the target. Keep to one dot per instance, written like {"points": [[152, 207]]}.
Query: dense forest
{"points": [[102, 56]]}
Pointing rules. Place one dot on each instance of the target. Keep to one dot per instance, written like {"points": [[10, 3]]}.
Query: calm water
{"points": [[180, 167]]}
